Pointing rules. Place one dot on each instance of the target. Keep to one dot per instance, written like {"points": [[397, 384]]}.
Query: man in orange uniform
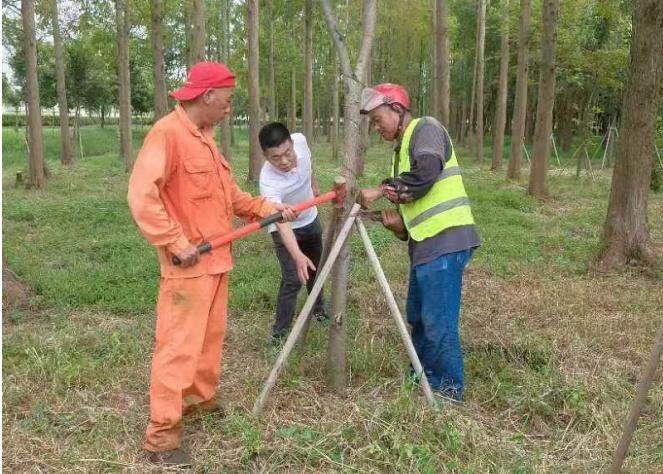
{"points": [[181, 193]]}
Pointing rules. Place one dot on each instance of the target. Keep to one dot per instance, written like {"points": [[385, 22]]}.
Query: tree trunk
{"points": [[520, 105], [160, 91], [226, 124], [626, 231], [65, 153], [442, 62], [307, 113], [123, 25], [353, 87], [480, 68], [365, 128], [198, 36], [255, 154], [272, 72], [36, 163], [470, 125], [545, 101], [292, 120], [335, 112], [500, 110]]}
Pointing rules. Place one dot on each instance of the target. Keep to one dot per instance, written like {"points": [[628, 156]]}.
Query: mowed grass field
{"points": [[553, 349]]}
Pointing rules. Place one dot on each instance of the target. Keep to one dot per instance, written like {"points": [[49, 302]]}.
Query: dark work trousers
{"points": [[309, 239]]}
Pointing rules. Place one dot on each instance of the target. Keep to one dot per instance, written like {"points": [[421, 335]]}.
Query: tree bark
{"points": [[160, 91], [520, 105], [272, 71], [353, 87], [480, 69], [545, 102], [123, 25], [65, 148], [36, 163], [198, 36], [442, 62], [626, 230], [335, 112], [500, 110], [307, 112], [255, 153], [292, 120], [226, 133]]}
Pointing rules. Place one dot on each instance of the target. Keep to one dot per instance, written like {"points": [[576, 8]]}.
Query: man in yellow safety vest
{"points": [[435, 217]]}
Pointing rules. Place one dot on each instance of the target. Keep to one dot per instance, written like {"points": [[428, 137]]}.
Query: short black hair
{"points": [[273, 134]]}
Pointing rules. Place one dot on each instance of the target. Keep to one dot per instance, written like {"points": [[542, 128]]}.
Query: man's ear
{"points": [[207, 96]]}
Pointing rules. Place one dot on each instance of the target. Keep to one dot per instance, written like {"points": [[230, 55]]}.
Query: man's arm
{"points": [[302, 262], [149, 175]]}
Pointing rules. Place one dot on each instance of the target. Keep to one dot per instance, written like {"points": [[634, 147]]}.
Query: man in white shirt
{"points": [[287, 178]]}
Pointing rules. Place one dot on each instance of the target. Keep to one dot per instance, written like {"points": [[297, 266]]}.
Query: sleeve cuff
{"points": [[177, 247]]}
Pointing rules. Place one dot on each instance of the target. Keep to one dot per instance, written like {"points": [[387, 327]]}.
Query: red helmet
{"points": [[384, 94]]}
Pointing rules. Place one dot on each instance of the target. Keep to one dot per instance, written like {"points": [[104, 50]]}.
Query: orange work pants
{"points": [[186, 364]]}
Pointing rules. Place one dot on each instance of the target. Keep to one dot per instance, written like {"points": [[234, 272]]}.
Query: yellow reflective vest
{"points": [[445, 204]]}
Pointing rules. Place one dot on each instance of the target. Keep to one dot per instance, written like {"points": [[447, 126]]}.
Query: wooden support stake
{"points": [[552, 139], [638, 402], [306, 310], [395, 312]]}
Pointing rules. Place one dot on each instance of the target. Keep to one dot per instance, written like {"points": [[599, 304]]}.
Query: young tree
{"points": [[292, 109], [198, 36], [353, 85], [500, 110], [626, 231], [65, 147], [307, 113], [520, 105], [255, 154], [272, 72], [36, 164], [226, 132], [441, 81], [545, 101], [480, 69], [123, 26], [160, 91]]}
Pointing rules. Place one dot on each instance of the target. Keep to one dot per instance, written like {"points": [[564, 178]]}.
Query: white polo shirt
{"points": [[292, 187]]}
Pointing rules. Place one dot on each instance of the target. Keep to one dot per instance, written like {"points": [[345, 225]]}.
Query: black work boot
{"points": [[177, 458]]}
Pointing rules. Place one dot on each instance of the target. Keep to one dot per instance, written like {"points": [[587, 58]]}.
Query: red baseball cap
{"points": [[383, 94], [203, 76]]}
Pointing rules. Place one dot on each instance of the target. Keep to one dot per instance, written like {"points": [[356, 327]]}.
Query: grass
{"points": [[553, 350]]}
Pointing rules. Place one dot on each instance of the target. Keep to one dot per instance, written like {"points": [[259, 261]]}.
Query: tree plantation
{"points": [[553, 110]]}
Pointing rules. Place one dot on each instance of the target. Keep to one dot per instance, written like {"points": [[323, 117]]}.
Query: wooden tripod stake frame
{"points": [[303, 317]]}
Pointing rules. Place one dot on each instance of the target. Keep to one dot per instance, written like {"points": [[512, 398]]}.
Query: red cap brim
{"points": [[185, 93]]}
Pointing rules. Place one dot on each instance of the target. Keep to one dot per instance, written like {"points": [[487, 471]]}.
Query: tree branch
{"points": [[341, 49], [368, 20]]}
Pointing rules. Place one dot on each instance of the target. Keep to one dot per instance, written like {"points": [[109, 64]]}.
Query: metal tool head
{"points": [[341, 191]]}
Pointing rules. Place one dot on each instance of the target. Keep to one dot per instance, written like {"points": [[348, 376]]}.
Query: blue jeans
{"points": [[433, 311]]}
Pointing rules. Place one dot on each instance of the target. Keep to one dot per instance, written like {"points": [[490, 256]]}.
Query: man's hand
{"points": [[189, 257], [393, 221], [288, 213], [315, 188], [368, 196], [303, 264]]}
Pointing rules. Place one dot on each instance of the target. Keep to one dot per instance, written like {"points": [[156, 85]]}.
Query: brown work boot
{"points": [[176, 458], [205, 408]]}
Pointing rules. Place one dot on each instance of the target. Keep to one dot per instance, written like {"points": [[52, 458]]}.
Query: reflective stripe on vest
{"points": [[444, 206]]}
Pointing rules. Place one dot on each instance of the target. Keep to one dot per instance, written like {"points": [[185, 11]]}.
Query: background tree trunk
{"points": [[442, 62], [226, 133], [292, 119], [307, 112], [520, 105], [65, 148], [160, 91], [626, 230], [255, 154], [198, 36], [470, 125], [545, 102], [272, 72], [353, 87], [123, 25], [36, 163], [500, 110], [480, 69]]}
